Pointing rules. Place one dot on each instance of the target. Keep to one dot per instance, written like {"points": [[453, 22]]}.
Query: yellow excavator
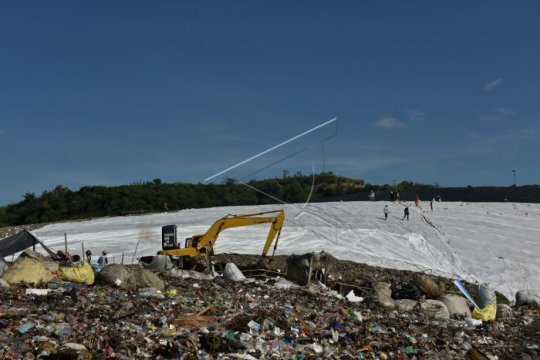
{"points": [[202, 245]]}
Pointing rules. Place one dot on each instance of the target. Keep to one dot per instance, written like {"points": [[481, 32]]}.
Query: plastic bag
{"points": [[487, 313], [487, 302], [80, 273]]}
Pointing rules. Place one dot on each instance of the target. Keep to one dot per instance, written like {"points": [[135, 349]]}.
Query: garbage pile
{"points": [[132, 313]]}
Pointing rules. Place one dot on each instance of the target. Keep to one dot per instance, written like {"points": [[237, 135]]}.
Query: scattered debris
{"points": [[261, 317], [351, 296]]}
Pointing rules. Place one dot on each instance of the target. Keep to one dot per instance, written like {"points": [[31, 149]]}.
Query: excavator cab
{"points": [[194, 241]]}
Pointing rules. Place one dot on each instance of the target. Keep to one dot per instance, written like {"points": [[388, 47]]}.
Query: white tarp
{"points": [[496, 243]]}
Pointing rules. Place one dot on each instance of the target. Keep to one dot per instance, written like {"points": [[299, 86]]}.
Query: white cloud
{"points": [[492, 85], [505, 111], [389, 123], [498, 114], [482, 143], [416, 116]]}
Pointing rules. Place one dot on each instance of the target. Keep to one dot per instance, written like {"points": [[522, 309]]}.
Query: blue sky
{"points": [[109, 93]]}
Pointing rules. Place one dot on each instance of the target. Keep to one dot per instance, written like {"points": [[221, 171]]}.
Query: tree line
{"points": [[61, 203]]}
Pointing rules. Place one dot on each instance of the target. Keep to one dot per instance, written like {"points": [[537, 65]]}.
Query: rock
{"points": [[428, 287], [233, 273], [456, 305], [120, 276], [435, 309], [131, 279], [528, 297], [4, 283], [503, 311], [405, 305], [383, 295], [147, 279]]}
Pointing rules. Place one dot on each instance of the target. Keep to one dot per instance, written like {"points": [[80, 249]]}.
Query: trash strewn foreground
{"points": [[188, 316]]}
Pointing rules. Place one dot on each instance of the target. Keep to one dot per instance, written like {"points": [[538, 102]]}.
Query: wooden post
{"points": [[83, 256], [65, 243], [136, 247], [122, 258], [310, 269]]}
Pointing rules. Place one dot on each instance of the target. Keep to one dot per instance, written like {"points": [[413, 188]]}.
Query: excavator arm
{"points": [[206, 241]]}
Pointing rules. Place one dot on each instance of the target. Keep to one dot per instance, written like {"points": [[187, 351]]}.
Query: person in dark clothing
{"points": [[386, 212], [89, 256], [64, 258], [406, 213], [102, 261]]}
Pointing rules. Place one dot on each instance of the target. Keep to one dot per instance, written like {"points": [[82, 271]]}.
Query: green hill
{"points": [[62, 203]]}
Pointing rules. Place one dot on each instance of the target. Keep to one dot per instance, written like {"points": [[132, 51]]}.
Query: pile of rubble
{"points": [[130, 312]]}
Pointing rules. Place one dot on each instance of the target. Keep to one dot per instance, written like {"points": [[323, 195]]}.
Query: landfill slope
{"points": [[495, 243]]}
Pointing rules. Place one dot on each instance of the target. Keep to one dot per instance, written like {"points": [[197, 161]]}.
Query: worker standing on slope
{"points": [[102, 261], [386, 212], [88, 256], [406, 213]]}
